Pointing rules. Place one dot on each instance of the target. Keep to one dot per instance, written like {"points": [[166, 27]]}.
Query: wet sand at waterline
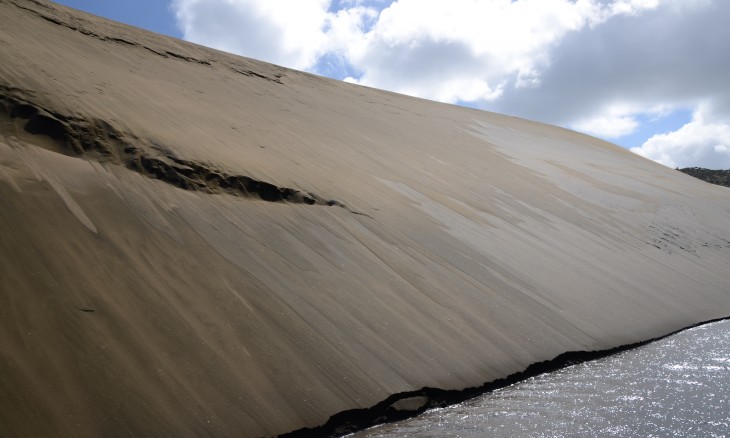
{"points": [[198, 243]]}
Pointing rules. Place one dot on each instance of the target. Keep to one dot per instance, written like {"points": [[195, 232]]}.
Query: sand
{"points": [[195, 243]]}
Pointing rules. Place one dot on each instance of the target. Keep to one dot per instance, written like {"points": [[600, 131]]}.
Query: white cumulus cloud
{"points": [[702, 142], [609, 124], [467, 50], [618, 120], [460, 50], [285, 32], [599, 66]]}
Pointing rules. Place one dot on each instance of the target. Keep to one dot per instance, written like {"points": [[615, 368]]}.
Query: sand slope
{"points": [[196, 243]]}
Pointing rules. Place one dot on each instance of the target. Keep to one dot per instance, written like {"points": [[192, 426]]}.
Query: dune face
{"points": [[197, 243]]}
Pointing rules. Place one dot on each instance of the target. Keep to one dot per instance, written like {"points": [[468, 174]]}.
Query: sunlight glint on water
{"points": [[678, 386]]}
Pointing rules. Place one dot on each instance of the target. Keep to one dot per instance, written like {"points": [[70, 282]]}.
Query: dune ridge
{"points": [[149, 287]]}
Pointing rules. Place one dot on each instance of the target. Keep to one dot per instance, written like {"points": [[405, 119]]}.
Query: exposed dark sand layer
{"points": [[147, 287]]}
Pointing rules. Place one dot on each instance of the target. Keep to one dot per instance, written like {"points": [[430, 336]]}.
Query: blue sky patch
{"points": [[152, 15], [650, 125]]}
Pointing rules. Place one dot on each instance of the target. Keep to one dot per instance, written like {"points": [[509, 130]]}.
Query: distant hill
{"points": [[719, 177]]}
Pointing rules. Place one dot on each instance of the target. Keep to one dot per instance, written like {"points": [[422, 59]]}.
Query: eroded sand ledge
{"points": [[147, 288]]}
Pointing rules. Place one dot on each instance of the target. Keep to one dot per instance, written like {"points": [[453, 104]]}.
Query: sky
{"points": [[649, 75]]}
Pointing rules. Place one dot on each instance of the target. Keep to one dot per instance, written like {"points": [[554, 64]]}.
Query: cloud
{"points": [[598, 66], [619, 120], [702, 142], [609, 126], [456, 51], [467, 51], [284, 32], [606, 79], [671, 55]]}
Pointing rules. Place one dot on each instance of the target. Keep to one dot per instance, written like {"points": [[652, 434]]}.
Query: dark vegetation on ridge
{"points": [[712, 176]]}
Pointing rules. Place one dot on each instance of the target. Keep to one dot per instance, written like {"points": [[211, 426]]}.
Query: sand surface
{"points": [[149, 286]]}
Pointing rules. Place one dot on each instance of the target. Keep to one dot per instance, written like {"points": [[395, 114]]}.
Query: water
{"points": [[678, 386]]}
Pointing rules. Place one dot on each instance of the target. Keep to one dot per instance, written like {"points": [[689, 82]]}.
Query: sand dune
{"points": [[197, 243]]}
